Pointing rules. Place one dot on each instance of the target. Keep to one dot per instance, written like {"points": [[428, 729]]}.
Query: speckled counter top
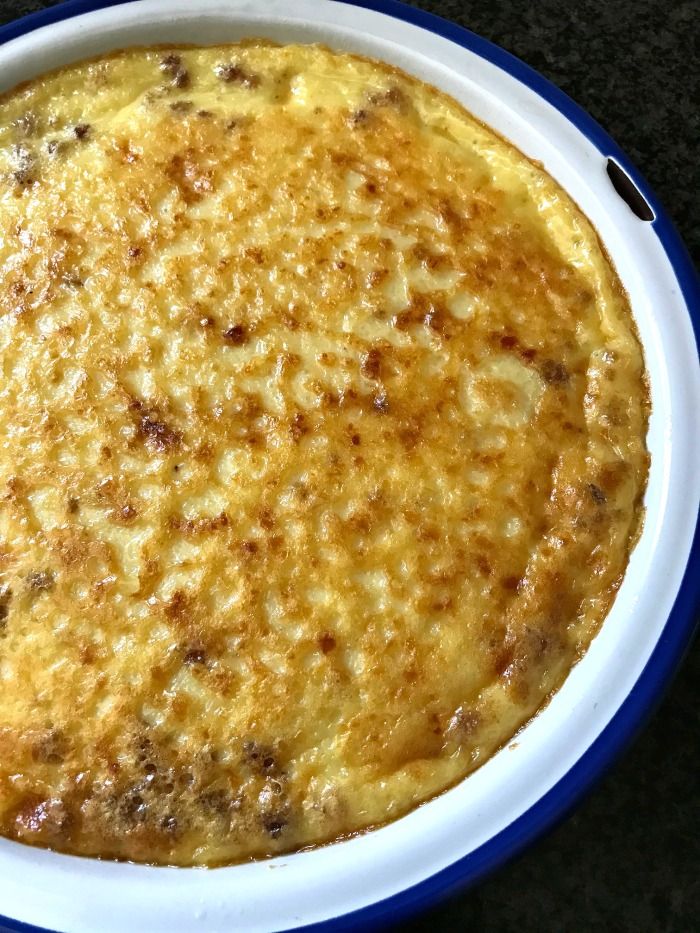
{"points": [[629, 858]]}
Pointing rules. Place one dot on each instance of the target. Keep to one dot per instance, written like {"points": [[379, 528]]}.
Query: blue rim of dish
{"points": [[677, 633]]}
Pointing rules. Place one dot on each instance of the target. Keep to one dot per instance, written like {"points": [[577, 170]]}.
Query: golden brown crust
{"points": [[321, 449]]}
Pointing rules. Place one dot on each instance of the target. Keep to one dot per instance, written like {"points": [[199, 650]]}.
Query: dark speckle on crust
{"points": [[326, 642], [554, 372], [181, 106], [274, 827], [236, 335], [169, 824], [372, 364], [39, 580], [359, 117], [597, 494], [380, 403], [232, 73], [299, 426], [5, 597], [172, 66], [24, 163], [195, 655], [127, 513], [216, 801], [261, 758], [170, 63], [394, 96], [158, 434], [26, 124], [132, 808], [50, 748]]}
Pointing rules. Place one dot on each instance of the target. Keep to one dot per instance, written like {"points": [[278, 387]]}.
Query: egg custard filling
{"points": [[322, 449]]}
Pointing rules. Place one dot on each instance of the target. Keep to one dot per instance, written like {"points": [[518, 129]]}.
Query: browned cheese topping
{"points": [[322, 421]]}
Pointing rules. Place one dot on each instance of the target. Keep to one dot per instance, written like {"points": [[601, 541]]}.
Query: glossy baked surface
{"points": [[322, 423]]}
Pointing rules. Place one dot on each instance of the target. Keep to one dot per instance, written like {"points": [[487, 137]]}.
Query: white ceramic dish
{"points": [[458, 836]]}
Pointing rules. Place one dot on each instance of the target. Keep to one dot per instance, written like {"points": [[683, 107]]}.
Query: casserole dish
{"points": [[464, 832]]}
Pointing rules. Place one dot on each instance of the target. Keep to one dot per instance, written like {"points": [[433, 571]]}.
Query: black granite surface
{"points": [[629, 858]]}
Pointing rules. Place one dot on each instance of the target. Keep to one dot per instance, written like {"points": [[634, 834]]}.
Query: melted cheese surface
{"points": [[322, 422]]}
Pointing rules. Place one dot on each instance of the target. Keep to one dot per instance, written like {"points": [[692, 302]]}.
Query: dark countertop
{"points": [[629, 858]]}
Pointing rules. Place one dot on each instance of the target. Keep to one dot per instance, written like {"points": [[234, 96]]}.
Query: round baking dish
{"points": [[454, 839]]}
